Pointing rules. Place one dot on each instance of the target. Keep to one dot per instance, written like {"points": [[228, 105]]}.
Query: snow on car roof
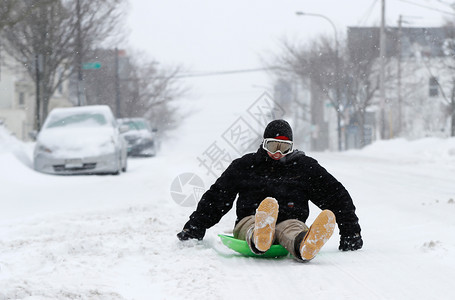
{"points": [[102, 109], [136, 119], [64, 112]]}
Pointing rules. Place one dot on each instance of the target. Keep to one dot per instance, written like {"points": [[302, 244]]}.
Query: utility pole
{"points": [[382, 53], [400, 99], [80, 78], [117, 85], [37, 125], [337, 92]]}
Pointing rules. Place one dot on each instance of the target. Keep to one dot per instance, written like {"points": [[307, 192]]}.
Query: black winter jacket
{"points": [[292, 181]]}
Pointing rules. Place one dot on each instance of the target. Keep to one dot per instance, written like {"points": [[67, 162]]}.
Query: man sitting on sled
{"points": [[274, 186]]}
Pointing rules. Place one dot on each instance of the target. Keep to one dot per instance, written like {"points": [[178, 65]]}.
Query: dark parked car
{"points": [[140, 138]]}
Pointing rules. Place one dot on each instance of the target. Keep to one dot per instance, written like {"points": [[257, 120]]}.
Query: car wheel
{"points": [[119, 166], [125, 165]]}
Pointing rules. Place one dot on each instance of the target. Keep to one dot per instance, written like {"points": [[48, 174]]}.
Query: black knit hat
{"points": [[278, 128]]}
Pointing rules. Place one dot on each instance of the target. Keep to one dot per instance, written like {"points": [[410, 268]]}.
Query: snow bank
{"points": [[427, 149], [8, 142], [11, 146]]}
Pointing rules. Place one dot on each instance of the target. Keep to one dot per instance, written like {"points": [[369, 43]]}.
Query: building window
{"points": [[21, 99], [433, 87]]}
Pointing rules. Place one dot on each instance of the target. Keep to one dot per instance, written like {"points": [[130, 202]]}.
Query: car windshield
{"points": [[136, 125], [77, 120]]}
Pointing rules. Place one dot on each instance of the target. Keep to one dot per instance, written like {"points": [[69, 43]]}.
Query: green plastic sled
{"points": [[242, 247]]}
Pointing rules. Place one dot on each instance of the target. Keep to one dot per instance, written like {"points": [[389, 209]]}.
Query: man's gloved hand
{"points": [[351, 242], [191, 233]]}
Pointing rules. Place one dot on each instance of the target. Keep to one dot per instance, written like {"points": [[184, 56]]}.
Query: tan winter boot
{"points": [[264, 224], [318, 234]]}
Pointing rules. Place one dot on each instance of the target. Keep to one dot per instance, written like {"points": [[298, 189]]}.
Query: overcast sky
{"points": [[213, 35]]}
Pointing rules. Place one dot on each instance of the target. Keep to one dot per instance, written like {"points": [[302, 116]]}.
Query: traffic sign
{"points": [[91, 65]]}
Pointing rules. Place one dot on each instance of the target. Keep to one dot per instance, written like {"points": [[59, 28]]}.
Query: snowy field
{"points": [[114, 237]]}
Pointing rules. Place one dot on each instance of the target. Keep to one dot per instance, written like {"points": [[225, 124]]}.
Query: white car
{"points": [[81, 140]]}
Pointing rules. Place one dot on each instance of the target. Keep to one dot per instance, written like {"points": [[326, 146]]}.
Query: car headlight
{"points": [[43, 148], [109, 144]]}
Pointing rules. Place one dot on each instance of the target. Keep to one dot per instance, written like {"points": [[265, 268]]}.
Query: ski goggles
{"points": [[274, 145]]}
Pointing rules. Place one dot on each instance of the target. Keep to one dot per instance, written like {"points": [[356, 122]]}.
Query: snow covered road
{"points": [[113, 237]]}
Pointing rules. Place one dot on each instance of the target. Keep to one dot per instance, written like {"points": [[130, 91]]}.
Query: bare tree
{"points": [[45, 40], [41, 42], [143, 87], [322, 64], [7, 13], [447, 87], [361, 83], [348, 77], [10, 13], [160, 93]]}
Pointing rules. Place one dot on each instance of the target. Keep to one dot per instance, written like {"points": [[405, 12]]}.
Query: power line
{"points": [[228, 72], [428, 7], [444, 2], [368, 13]]}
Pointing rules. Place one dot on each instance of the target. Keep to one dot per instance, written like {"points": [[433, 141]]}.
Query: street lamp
{"points": [[301, 13], [337, 84]]}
